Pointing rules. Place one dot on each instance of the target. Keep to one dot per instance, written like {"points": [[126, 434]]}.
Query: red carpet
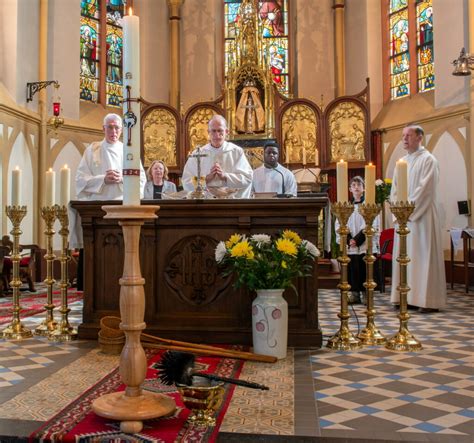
{"points": [[33, 303], [77, 423]]}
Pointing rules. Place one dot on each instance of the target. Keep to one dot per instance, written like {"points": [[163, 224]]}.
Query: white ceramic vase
{"points": [[270, 323]]}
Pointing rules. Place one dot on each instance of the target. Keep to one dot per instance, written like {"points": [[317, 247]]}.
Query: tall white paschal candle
{"points": [[370, 184], [402, 180], [65, 186], [131, 77], [342, 183], [50, 187], [16, 187]]}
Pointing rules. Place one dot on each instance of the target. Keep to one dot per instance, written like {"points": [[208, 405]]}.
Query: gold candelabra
{"points": [[64, 331], [16, 330], [403, 340], [370, 335], [48, 325], [343, 339]]}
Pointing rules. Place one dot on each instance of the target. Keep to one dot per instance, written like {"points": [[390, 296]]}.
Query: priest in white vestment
{"points": [[222, 163], [99, 174], [272, 176], [425, 271]]}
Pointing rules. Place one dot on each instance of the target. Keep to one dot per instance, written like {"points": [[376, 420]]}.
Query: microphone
{"points": [[282, 181]]}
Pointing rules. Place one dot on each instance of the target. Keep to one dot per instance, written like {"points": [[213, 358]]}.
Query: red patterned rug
{"points": [[77, 422], [33, 303]]}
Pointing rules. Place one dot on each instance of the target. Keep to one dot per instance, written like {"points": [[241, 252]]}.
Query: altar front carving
{"points": [[187, 298]]}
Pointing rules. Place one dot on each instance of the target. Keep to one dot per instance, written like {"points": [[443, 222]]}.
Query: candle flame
{"points": [[17, 168], [370, 164], [65, 166], [130, 11], [341, 160], [50, 170]]}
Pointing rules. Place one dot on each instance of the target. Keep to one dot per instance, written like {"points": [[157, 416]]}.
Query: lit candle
{"points": [[342, 184], [65, 186], [50, 187], [16, 187], [131, 70], [370, 184], [402, 180]]}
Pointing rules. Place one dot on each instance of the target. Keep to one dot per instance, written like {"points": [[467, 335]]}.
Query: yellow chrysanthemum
{"points": [[388, 181], [242, 249], [286, 246], [233, 240], [283, 264], [291, 235]]}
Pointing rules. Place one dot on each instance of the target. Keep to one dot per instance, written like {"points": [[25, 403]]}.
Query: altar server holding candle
{"points": [[426, 274]]}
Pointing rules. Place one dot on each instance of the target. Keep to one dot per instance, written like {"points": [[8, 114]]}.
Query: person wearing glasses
{"points": [[223, 164], [99, 177], [99, 174]]}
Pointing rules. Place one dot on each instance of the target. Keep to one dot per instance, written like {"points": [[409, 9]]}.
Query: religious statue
{"points": [[250, 115]]}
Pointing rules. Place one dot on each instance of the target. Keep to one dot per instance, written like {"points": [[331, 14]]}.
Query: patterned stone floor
{"points": [[371, 394]]}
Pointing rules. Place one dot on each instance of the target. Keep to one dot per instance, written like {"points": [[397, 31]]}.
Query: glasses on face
{"points": [[113, 127]]}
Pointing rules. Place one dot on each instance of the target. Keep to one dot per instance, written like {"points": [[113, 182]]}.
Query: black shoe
{"points": [[427, 310]]}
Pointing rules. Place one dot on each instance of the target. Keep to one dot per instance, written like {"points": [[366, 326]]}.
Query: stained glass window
{"points": [[273, 25], [424, 33], [410, 21], [101, 40], [399, 49]]}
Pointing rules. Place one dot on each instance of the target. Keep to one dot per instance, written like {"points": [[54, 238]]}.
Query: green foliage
{"points": [[382, 190]]}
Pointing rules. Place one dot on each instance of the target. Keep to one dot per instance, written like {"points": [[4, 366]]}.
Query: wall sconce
{"points": [[463, 64], [32, 88]]}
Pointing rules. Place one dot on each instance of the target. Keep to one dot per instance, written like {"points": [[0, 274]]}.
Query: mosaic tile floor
{"points": [[371, 394]]}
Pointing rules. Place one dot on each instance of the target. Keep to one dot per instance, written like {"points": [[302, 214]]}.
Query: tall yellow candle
{"points": [[402, 180], [16, 187], [370, 184], [50, 187], [65, 185], [342, 183]]}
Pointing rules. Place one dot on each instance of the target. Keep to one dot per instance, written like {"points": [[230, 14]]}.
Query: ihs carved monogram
{"points": [[192, 272]]}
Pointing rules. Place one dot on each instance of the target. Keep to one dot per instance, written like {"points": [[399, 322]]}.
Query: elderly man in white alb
{"points": [[273, 177], [99, 177], [425, 272], [222, 164]]}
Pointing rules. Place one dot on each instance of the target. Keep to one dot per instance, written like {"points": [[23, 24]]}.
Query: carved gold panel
{"points": [[299, 135], [347, 137], [254, 156], [197, 128], [159, 137]]}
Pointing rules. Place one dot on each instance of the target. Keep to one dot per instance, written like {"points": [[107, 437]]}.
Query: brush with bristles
{"points": [[178, 368]]}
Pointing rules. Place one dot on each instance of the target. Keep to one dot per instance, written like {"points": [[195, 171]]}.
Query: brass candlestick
{"points": [[403, 340], [343, 339], [370, 335], [64, 331], [15, 330], [48, 213]]}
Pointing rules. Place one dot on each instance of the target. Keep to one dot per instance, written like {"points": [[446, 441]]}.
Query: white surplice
{"points": [[237, 169], [425, 271], [98, 158], [271, 180]]}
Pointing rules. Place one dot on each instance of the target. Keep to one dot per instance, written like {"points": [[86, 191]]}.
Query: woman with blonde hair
{"points": [[158, 183]]}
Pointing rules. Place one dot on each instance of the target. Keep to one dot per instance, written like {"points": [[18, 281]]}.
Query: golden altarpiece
{"points": [[312, 137]]}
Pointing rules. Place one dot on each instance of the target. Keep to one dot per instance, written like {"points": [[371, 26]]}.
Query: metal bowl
{"points": [[221, 191], [203, 398]]}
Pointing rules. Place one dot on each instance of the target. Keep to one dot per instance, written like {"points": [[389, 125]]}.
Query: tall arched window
{"points": [[101, 51], [273, 25], [408, 35]]}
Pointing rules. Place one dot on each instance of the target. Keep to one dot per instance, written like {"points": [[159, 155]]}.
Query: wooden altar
{"points": [[186, 297]]}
